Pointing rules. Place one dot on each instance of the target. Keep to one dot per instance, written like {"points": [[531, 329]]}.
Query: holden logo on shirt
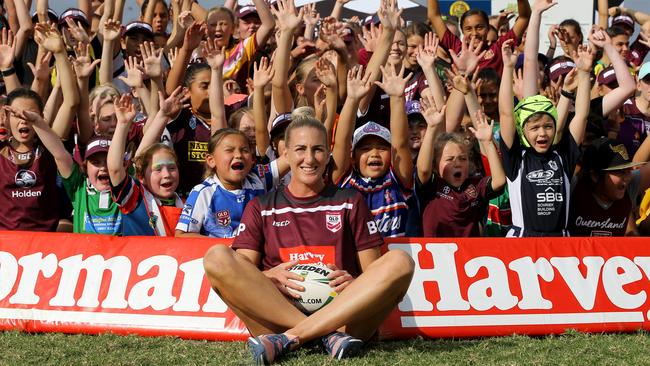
{"points": [[25, 178], [539, 175], [333, 221], [223, 217]]}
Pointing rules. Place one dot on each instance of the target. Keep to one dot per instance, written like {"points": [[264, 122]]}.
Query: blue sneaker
{"points": [[341, 345], [266, 348]]}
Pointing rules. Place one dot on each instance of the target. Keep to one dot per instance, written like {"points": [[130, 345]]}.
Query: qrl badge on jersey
{"points": [[333, 222], [223, 217]]}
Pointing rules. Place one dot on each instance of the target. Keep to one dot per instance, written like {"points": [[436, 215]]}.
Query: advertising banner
{"points": [[461, 287]]}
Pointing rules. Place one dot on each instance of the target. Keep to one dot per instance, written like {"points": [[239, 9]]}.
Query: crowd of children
{"points": [[170, 125]]}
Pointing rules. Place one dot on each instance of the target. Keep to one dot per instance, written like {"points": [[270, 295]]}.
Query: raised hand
{"points": [[263, 73], [389, 15], [134, 73], [392, 82], [124, 109], [152, 59], [77, 31], [326, 73], [358, 84], [171, 106], [214, 55], [543, 5], [48, 37], [185, 19], [599, 37], [470, 55], [319, 102], [584, 58], [570, 83], [310, 15], [82, 63], [370, 38], [518, 83], [287, 18], [483, 130], [42, 70], [432, 113], [172, 54], [332, 32], [7, 49], [194, 34], [426, 53], [111, 30], [508, 55]]}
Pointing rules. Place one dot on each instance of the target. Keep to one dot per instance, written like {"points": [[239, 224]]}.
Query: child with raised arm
{"points": [[149, 204], [456, 203], [381, 168], [539, 172]]}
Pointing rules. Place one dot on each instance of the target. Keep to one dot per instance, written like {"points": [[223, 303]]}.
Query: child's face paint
{"points": [[97, 172], [372, 157], [232, 160], [161, 176], [453, 165], [540, 133]]}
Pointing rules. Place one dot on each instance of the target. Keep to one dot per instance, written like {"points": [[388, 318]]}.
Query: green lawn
{"points": [[569, 349]]}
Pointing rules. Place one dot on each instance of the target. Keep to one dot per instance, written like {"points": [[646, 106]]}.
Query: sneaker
{"points": [[341, 345], [266, 348]]}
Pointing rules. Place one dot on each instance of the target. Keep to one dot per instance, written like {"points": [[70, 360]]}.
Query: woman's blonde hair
{"points": [[100, 96], [303, 112]]}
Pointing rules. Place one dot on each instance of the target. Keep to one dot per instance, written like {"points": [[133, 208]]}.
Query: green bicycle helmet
{"points": [[529, 106]]}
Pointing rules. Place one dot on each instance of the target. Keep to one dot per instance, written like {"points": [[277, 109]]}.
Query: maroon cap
{"points": [[75, 14], [623, 21], [246, 10], [97, 144], [560, 68], [607, 76], [136, 26]]}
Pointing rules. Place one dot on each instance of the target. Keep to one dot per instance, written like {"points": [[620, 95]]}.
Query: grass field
{"points": [[569, 349]]}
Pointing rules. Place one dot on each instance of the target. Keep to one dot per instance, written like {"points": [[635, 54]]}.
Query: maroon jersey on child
{"points": [[455, 212], [28, 190], [330, 227]]}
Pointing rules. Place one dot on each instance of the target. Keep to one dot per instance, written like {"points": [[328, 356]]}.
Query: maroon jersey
{"points": [[492, 58], [456, 212], [589, 218], [190, 137], [330, 227], [28, 190]]}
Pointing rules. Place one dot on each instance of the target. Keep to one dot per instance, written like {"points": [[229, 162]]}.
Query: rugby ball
{"points": [[318, 292]]}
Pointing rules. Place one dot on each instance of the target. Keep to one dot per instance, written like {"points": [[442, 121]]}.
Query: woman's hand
{"points": [[281, 278], [214, 55], [358, 84], [124, 109], [433, 114], [83, 65], [172, 106], [152, 59], [263, 73], [339, 278], [48, 37], [7, 49], [134, 73]]}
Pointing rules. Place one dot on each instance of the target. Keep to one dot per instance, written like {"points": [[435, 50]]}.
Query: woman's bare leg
{"points": [[248, 293]]}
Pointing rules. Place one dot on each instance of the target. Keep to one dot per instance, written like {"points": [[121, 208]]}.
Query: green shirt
{"points": [[94, 212]]}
